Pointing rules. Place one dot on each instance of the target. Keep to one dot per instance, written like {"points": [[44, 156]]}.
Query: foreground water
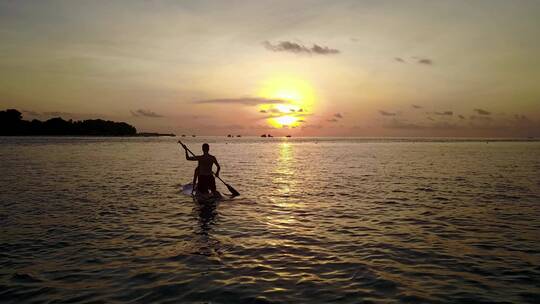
{"points": [[320, 220]]}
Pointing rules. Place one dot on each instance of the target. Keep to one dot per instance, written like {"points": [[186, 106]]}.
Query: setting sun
{"points": [[286, 120], [298, 100]]}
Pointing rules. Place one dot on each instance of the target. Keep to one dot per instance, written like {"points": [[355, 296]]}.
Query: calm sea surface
{"points": [[102, 220]]}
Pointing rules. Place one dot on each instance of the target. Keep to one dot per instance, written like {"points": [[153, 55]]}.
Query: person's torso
{"points": [[205, 164]]}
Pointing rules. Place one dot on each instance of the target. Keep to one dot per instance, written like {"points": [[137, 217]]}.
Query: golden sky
{"points": [[306, 68]]}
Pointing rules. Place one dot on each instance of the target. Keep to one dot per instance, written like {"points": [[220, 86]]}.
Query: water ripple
{"points": [[99, 220]]}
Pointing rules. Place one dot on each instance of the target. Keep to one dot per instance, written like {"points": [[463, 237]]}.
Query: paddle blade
{"points": [[232, 190]]}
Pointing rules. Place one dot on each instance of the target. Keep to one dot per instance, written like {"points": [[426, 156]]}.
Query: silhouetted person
{"points": [[205, 176]]}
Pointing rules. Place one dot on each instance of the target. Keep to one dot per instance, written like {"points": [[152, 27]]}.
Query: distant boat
{"points": [[183, 135], [193, 135], [288, 136], [229, 135], [238, 135], [264, 135], [270, 135]]}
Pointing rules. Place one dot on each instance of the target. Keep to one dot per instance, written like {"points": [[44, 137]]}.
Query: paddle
{"points": [[231, 189]]}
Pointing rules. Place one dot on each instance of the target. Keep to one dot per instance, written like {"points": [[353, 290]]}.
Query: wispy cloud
{"points": [[425, 61], [145, 113], [445, 113], [385, 113], [416, 106], [461, 117], [332, 120], [293, 47], [338, 115], [250, 101], [399, 59], [482, 112]]}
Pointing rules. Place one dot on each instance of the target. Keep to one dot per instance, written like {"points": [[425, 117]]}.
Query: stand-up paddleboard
{"points": [[202, 199], [188, 189]]}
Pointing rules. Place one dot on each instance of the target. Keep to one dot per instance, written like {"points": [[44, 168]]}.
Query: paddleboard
{"points": [[188, 190]]}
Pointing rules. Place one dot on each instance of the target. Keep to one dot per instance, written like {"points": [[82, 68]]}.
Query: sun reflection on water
{"points": [[284, 169], [285, 184]]}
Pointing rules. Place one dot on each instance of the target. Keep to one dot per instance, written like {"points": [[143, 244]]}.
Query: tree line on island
{"points": [[12, 124]]}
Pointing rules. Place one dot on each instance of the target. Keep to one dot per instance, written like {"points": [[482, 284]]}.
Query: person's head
{"points": [[205, 148]]}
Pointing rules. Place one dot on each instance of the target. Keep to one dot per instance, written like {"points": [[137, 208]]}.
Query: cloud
{"points": [[461, 117], [399, 59], [249, 101], [425, 61], [416, 106], [445, 113], [272, 113], [521, 117], [338, 115], [145, 113], [332, 120], [482, 112], [385, 113], [293, 47]]}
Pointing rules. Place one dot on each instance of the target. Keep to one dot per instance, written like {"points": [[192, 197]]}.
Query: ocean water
{"points": [[102, 220]]}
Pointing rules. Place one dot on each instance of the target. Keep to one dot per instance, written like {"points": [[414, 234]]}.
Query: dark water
{"points": [[335, 220]]}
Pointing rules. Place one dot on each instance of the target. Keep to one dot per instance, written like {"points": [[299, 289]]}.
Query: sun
{"points": [[286, 120], [297, 98]]}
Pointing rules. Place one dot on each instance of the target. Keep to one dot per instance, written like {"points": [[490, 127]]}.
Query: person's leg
{"points": [[202, 187], [195, 180], [212, 186]]}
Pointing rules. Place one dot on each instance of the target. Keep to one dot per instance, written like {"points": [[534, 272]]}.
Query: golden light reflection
{"points": [[285, 170], [298, 100]]}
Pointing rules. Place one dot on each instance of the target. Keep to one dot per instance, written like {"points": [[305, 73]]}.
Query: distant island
{"points": [[12, 124]]}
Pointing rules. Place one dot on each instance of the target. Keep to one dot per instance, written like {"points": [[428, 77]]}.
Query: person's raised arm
{"points": [[187, 155], [217, 166]]}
